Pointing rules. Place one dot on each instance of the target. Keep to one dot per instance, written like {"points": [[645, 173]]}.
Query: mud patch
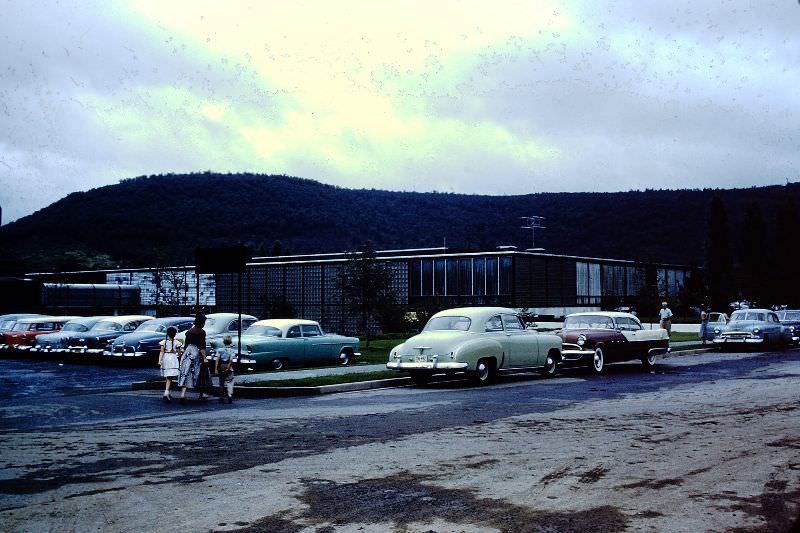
{"points": [[268, 524], [786, 443], [555, 475], [593, 475], [655, 484], [404, 499], [775, 506]]}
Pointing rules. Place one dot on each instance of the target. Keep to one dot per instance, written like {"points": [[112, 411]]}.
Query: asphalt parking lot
{"points": [[702, 443]]}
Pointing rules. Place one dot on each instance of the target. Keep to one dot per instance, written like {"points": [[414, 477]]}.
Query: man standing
{"points": [[666, 318]]}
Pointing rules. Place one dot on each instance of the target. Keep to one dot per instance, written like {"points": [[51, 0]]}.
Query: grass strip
{"points": [[319, 381]]}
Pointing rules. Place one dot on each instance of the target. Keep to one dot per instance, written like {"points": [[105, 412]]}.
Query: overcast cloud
{"points": [[467, 97]]}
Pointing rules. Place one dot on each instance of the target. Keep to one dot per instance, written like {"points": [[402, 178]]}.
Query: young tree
{"points": [[719, 271], [366, 285]]}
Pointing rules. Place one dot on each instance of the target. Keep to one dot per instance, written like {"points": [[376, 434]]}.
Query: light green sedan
{"points": [[481, 341], [278, 343]]}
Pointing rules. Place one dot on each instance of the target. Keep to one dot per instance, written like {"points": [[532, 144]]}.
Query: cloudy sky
{"points": [[498, 97]]}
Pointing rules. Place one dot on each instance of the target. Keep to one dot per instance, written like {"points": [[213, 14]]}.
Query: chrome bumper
{"points": [[719, 340], [429, 365], [574, 355]]}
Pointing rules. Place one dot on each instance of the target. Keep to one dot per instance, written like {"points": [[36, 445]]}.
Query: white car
{"points": [[481, 341]]}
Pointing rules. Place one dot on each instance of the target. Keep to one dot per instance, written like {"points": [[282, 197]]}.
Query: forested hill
{"points": [[160, 220]]}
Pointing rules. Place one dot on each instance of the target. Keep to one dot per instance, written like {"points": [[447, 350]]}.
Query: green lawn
{"points": [[679, 336], [378, 351]]}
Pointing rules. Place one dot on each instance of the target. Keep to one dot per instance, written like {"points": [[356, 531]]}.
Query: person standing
{"points": [[665, 314], [224, 367], [194, 356], [703, 326], [168, 360]]}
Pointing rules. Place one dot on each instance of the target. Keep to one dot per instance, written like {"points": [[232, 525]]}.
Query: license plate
{"points": [[420, 358]]}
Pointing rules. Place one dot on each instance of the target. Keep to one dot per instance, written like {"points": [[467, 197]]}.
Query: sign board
{"points": [[220, 260]]}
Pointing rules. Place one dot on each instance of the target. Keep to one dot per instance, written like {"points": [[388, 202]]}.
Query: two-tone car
{"points": [[95, 341], [22, 336], [790, 318], [59, 342], [596, 339], [479, 341], [278, 343], [753, 327], [143, 344]]}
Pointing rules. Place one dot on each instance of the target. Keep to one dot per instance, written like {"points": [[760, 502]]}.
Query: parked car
{"points": [[278, 343], [23, 336], [748, 327], [96, 339], [715, 320], [143, 343], [7, 321], [221, 324], [480, 341], [790, 318], [598, 338], [59, 342]]}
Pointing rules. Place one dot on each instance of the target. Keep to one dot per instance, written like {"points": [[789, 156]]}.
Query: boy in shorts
{"points": [[224, 367]]}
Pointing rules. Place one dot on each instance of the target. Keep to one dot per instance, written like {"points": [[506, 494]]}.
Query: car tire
{"points": [[649, 361], [598, 361], [421, 378], [550, 366], [484, 372], [277, 364], [345, 358]]}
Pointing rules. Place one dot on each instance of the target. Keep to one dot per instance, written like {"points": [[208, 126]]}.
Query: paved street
{"points": [[707, 442]]}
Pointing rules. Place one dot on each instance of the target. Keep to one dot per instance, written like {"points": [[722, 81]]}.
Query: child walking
{"points": [[224, 367], [168, 359]]}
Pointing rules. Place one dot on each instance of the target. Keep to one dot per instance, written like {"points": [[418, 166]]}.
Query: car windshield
{"points": [[448, 323], [22, 327], [108, 325], [588, 322], [791, 315], [263, 331], [149, 326], [5, 325], [74, 326], [738, 316]]}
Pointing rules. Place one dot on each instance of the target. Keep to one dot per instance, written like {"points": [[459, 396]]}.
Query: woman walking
{"points": [[194, 355], [168, 360]]}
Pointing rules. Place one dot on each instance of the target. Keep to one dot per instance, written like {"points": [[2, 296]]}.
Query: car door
{"points": [[317, 350], [774, 329], [522, 349], [293, 346]]}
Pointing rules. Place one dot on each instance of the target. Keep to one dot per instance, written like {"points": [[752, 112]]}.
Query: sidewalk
{"points": [[245, 377]]}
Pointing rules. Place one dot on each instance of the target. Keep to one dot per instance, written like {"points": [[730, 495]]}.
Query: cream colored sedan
{"points": [[480, 341]]}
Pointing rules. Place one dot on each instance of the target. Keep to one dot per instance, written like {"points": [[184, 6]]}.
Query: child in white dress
{"points": [[168, 359]]}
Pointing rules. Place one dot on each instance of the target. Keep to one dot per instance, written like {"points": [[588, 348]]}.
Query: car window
{"points": [[512, 323], [310, 330], [448, 323], [773, 318], [588, 322], [183, 326], [623, 323], [130, 326], [494, 324], [293, 333], [248, 322], [44, 326]]}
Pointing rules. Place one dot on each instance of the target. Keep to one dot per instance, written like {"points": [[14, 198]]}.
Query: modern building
{"points": [[424, 278]]}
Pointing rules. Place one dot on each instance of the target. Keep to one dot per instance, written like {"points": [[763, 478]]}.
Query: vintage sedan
{"points": [[481, 341], [23, 336], [790, 318], [221, 324], [96, 339], [7, 322], [715, 319], [278, 343], [753, 327], [598, 338], [143, 344], [59, 342]]}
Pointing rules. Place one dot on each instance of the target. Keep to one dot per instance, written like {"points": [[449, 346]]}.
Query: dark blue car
{"points": [[791, 318], [143, 344], [59, 342]]}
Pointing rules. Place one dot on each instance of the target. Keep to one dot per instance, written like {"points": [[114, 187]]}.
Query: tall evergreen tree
{"points": [[718, 266], [753, 260], [786, 290]]}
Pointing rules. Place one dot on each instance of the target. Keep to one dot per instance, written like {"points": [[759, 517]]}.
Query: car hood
{"points": [[743, 325]]}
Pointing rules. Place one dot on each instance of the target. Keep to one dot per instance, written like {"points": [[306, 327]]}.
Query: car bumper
{"points": [[126, 353], [428, 365], [718, 340], [85, 350]]}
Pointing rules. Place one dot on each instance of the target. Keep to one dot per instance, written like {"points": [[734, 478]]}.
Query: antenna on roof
{"points": [[532, 223]]}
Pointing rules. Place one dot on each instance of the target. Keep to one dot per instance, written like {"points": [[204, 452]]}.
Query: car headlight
{"points": [[581, 340], [756, 330], [717, 331]]}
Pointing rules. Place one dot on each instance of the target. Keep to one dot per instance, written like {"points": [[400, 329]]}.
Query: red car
{"points": [[23, 335], [596, 339]]}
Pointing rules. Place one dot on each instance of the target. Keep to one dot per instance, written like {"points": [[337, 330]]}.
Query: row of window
{"points": [[477, 276]]}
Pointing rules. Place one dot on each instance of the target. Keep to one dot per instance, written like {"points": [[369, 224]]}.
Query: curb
{"points": [[696, 351], [287, 392]]}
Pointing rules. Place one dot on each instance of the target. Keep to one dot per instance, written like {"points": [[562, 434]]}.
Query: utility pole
{"points": [[532, 223]]}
